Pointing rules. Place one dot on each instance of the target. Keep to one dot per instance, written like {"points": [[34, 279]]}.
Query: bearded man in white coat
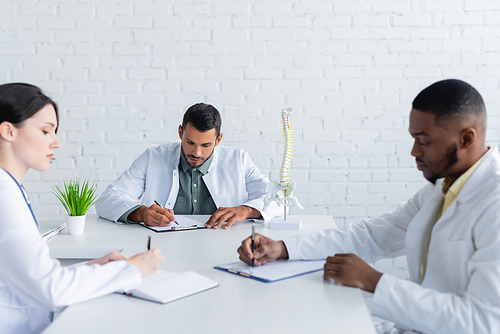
{"points": [[195, 176], [449, 230]]}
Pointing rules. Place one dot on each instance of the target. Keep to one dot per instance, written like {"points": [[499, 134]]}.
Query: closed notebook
{"points": [[165, 286]]}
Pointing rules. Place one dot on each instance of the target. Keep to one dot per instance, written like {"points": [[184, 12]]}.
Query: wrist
{"points": [[251, 212], [373, 281], [284, 251], [138, 215]]}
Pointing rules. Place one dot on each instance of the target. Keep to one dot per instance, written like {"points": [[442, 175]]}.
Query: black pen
{"points": [[253, 245], [163, 208], [149, 242]]}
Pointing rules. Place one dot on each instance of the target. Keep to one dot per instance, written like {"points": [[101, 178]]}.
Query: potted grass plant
{"points": [[77, 198]]}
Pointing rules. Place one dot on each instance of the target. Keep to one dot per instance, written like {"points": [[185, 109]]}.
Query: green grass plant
{"points": [[76, 197]]}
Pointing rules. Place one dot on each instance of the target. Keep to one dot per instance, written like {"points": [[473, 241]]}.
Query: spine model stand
{"points": [[282, 192]]}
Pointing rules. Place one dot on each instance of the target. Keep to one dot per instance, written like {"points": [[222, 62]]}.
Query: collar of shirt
{"points": [[451, 190], [203, 168]]}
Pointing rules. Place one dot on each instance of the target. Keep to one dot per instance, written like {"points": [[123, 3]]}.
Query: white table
{"points": [[304, 304]]}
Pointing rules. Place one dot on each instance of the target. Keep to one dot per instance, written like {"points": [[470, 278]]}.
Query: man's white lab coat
{"points": [[461, 289], [31, 282], [232, 180]]}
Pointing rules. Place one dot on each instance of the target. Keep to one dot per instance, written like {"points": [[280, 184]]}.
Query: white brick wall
{"points": [[123, 74]]}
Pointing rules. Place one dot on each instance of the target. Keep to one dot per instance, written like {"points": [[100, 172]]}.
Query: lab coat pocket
{"points": [[453, 256]]}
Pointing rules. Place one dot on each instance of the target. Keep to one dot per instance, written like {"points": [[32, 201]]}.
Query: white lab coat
{"points": [[461, 289], [31, 282], [232, 180]]}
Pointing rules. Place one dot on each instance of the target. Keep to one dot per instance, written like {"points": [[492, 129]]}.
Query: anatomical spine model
{"points": [[282, 192]]}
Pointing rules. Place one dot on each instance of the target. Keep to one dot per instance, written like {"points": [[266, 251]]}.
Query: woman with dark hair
{"points": [[31, 282]]}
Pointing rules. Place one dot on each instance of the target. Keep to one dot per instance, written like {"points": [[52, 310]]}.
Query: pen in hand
{"points": [[164, 208], [149, 242], [253, 245]]}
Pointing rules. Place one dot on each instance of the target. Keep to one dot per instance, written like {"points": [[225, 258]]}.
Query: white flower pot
{"points": [[76, 224]]}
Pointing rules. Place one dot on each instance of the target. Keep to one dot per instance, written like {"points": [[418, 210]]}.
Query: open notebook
{"points": [[274, 271], [166, 286]]}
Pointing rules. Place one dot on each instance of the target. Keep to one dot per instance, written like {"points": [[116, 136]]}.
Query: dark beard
{"points": [[451, 159], [187, 156]]}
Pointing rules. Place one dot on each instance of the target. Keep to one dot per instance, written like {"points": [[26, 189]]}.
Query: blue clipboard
{"points": [[274, 271]]}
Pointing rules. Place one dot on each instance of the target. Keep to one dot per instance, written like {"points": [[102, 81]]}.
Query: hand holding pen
{"points": [[161, 216]]}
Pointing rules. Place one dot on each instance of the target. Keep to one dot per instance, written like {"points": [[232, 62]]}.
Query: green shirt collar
{"points": [[203, 168]]}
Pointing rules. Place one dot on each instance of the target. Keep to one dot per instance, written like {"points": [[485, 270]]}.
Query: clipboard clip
{"points": [[238, 272], [184, 227]]}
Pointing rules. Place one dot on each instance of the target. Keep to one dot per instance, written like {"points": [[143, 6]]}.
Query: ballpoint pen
{"points": [[149, 242], [253, 245], [164, 208]]}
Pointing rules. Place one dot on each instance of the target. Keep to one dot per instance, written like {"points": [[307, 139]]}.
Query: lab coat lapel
{"points": [[418, 233], [210, 178]]}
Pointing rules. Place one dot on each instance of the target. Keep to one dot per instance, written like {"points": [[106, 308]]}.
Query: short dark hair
{"points": [[203, 117], [450, 97], [20, 101]]}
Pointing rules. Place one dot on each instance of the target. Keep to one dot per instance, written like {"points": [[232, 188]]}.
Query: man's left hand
{"points": [[231, 215], [350, 270]]}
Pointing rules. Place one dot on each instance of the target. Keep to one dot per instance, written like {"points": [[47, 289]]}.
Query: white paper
{"points": [[183, 221], [278, 270], [165, 286]]}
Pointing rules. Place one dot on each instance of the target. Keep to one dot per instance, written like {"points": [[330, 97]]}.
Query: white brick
{"points": [[105, 100], [41, 62], [334, 20], [351, 7], [191, 9], [152, 9], [412, 20], [291, 22], [52, 49], [199, 86], [35, 36], [391, 6], [239, 86], [144, 100], [113, 10], [231, 9], [94, 24], [73, 36], [195, 35], [316, 8], [170, 22], [83, 87], [92, 50], [133, 22], [34, 9], [101, 75], [263, 73], [275, 8], [121, 87], [75, 9], [77, 62], [143, 74], [223, 74]]}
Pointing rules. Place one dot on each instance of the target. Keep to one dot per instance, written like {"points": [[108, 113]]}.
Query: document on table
{"points": [[165, 286], [274, 271], [184, 222]]}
